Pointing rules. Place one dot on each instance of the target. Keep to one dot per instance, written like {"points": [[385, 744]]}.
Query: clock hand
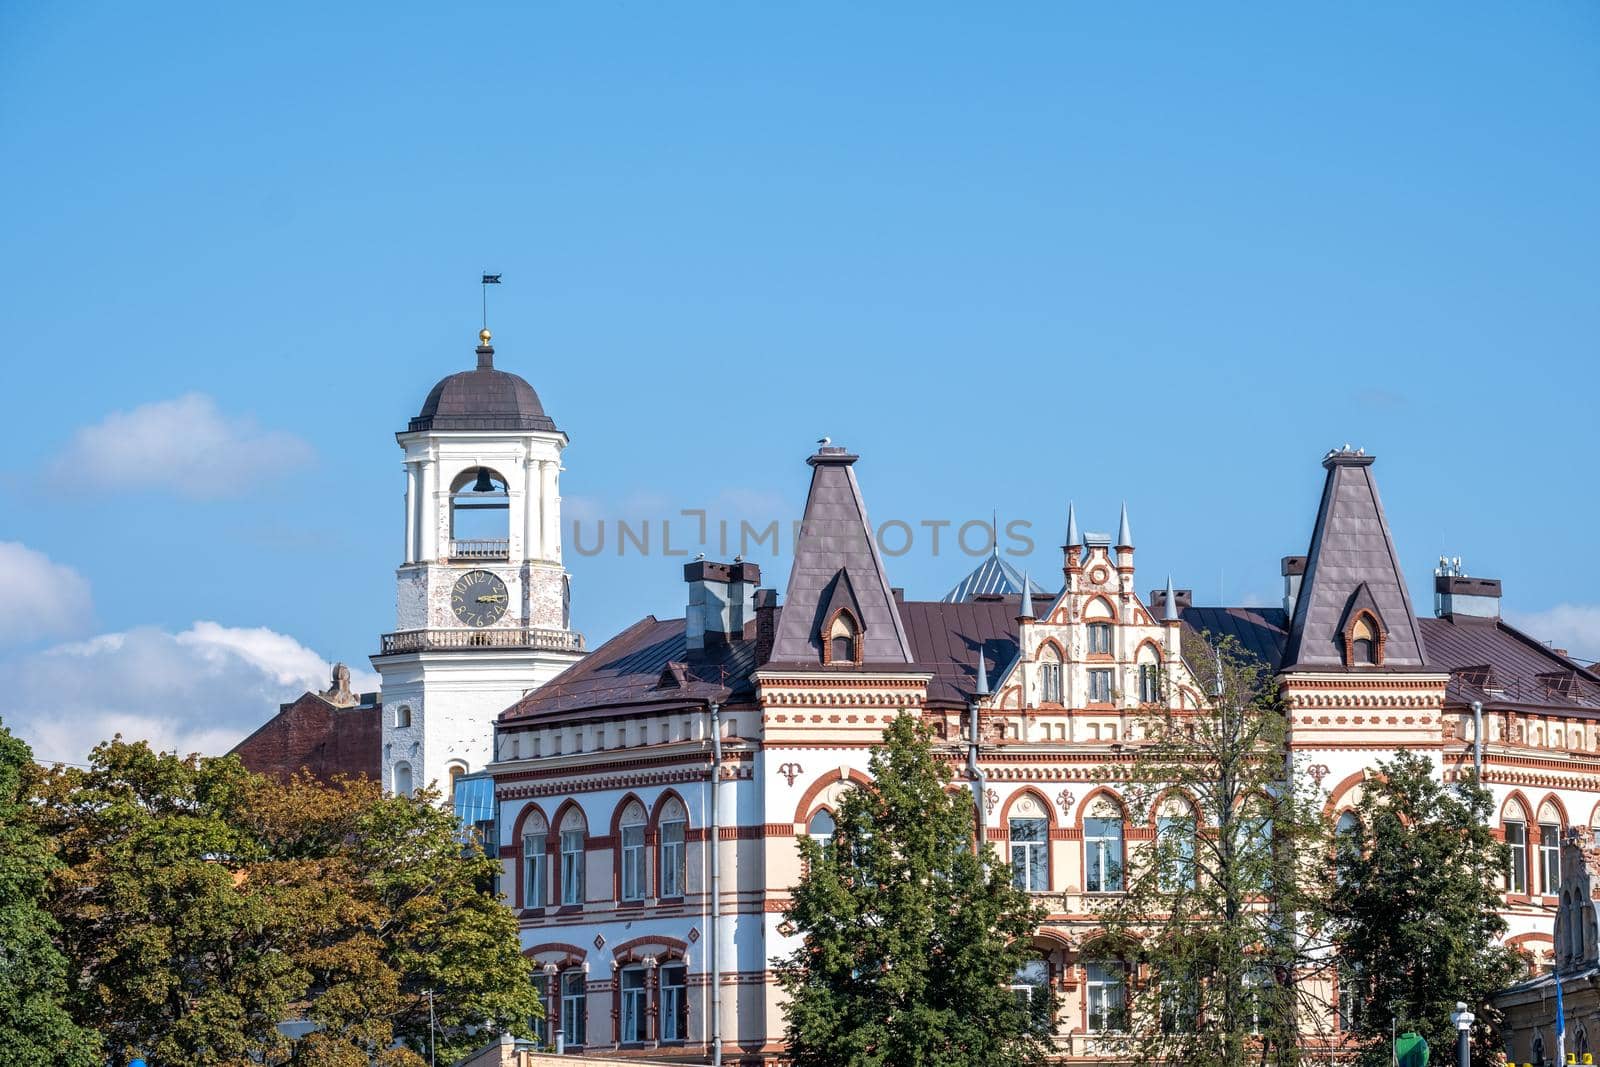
{"points": [[490, 599]]}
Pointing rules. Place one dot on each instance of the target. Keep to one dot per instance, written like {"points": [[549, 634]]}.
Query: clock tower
{"points": [[482, 601]]}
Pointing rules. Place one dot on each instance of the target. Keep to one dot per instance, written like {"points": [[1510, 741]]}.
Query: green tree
{"points": [[201, 906], [35, 1027], [1416, 908], [1221, 914], [910, 937]]}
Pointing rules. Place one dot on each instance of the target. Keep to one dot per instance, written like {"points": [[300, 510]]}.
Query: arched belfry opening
{"points": [[480, 515]]}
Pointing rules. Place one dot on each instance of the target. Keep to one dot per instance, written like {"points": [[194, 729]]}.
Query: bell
{"points": [[483, 485]]}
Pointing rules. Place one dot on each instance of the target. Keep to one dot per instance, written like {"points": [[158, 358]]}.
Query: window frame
{"points": [[535, 869], [1101, 638], [1105, 997], [1033, 875], [1096, 854], [1101, 688], [1517, 872], [573, 861], [672, 1003], [1050, 691], [1149, 683], [633, 1019], [1189, 879], [674, 857], [633, 885], [1550, 858], [574, 1008]]}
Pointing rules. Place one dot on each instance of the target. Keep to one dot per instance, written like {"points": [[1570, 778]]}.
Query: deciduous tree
{"points": [[910, 935]]}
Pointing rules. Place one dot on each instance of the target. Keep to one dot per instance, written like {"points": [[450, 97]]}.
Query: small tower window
{"points": [[402, 716], [842, 642], [1363, 642], [480, 515]]}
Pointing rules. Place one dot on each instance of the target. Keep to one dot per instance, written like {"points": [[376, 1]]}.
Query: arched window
{"points": [[1363, 638], [1030, 981], [634, 882], [403, 786], [535, 861], [1175, 837], [821, 829], [402, 716], [1029, 830], [574, 840], [480, 515], [1102, 847], [674, 863], [1549, 848], [1515, 824], [1049, 675], [843, 639]]}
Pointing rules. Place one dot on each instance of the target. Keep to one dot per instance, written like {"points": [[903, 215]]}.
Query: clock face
{"points": [[479, 598]]}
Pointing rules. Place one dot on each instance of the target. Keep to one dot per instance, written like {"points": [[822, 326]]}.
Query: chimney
{"points": [[720, 596], [1456, 594], [1184, 598], [1294, 572], [766, 623]]}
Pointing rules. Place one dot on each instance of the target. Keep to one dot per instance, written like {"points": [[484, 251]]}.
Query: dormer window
{"points": [[841, 642], [1364, 642]]}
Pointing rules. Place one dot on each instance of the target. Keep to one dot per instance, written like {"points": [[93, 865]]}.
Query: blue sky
{"points": [[1012, 254]]}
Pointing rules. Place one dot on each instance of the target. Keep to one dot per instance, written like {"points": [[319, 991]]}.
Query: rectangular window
{"points": [[572, 866], [1100, 638], [1550, 857], [1180, 1002], [1175, 838], [673, 867], [574, 1008], [1102, 849], [533, 870], [1149, 683], [1258, 988], [633, 879], [1106, 1001], [1348, 1004], [674, 1004], [1517, 842], [1100, 687], [633, 1005], [1029, 851], [1050, 683]]}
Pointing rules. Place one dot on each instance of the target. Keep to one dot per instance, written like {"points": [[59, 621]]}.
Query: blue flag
{"points": [[1561, 1026]]}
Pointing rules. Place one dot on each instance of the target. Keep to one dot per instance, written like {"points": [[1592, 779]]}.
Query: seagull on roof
{"points": [[824, 441], [700, 557]]}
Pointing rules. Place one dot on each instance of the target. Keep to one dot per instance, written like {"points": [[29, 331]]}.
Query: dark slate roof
{"points": [[1351, 563], [993, 576], [945, 638], [646, 665], [1496, 663], [836, 544], [482, 399], [1261, 631]]}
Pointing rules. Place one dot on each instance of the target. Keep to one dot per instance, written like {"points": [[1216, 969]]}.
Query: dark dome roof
{"points": [[482, 399]]}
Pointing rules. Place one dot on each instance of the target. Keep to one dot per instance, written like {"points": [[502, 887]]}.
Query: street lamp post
{"points": [[1463, 1020]]}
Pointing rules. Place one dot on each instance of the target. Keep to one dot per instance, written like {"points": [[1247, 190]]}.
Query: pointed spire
{"points": [[1170, 614], [1074, 538], [1124, 534], [982, 687], [1027, 598]]}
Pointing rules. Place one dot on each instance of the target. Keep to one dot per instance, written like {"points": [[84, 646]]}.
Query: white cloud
{"points": [[38, 597], [201, 690], [186, 446], [1574, 627]]}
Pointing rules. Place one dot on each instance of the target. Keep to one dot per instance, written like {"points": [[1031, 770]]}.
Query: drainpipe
{"points": [[976, 775], [1477, 741], [716, 885]]}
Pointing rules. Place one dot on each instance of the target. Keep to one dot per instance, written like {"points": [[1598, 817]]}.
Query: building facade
{"points": [[649, 798]]}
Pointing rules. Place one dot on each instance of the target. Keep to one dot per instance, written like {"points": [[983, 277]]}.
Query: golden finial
{"points": [[484, 335]]}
